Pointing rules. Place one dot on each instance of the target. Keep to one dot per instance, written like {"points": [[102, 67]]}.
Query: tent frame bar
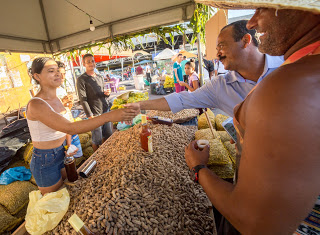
{"points": [[45, 24], [22, 39], [129, 18]]}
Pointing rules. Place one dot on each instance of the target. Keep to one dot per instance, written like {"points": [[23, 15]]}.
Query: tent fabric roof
{"points": [[165, 54], [46, 26]]}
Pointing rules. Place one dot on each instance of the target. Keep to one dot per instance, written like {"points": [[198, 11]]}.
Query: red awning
{"points": [[99, 58]]}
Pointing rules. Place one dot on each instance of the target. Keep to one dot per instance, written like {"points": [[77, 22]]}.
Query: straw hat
{"points": [[306, 5]]}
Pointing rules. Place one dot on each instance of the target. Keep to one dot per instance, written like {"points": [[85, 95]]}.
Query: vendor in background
{"points": [[48, 124], [92, 96], [235, 45], [277, 177], [193, 79]]}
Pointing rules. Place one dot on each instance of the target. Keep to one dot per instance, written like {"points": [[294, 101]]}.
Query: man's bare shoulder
{"points": [[292, 82], [289, 97]]}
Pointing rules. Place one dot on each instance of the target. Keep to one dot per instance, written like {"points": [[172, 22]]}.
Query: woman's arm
{"points": [[40, 111], [68, 140]]}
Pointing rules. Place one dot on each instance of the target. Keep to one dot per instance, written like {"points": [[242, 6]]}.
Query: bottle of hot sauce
{"points": [[145, 135]]}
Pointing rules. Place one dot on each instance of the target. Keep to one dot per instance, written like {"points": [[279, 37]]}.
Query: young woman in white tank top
{"points": [[48, 126]]}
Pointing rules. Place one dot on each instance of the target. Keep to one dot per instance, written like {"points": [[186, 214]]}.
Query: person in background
{"points": [[66, 99], [92, 96], [208, 68], [184, 75], [177, 74], [219, 68], [48, 124], [277, 176], [235, 44], [148, 72], [163, 72], [61, 91], [132, 71], [70, 139], [139, 70], [193, 79], [157, 72], [107, 79]]}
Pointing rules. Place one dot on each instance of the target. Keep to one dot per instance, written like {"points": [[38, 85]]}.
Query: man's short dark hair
{"points": [[179, 54], [85, 56], [61, 65], [240, 29]]}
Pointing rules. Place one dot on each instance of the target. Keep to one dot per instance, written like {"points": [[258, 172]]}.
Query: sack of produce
{"points": [[15, 196], [224, 172], [232, 150], [27, 154], [202, 120], [204, 134], [7, 221], [218, 154], [224, 136], [84, 138], [87, 152], [220, 118]]}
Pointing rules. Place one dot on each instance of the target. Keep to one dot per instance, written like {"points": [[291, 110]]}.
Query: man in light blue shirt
{"points": [[238, 51]]}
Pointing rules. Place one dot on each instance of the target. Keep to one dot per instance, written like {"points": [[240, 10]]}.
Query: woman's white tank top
{"points": [[41, 132]]}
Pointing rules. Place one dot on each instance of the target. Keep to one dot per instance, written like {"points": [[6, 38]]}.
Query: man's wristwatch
{"points": [[194, 172]]}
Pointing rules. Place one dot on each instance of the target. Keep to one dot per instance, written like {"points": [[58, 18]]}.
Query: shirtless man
{"points": [[278, 131]]}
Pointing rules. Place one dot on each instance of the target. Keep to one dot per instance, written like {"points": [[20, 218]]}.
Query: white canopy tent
{"points": [[166, 54], [47, 26]]}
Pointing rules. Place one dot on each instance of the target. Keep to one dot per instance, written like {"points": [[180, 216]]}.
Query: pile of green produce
{"points": [[132, 98]]}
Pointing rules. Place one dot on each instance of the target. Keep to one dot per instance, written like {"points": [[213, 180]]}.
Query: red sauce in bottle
{"points": [[145, 135]]}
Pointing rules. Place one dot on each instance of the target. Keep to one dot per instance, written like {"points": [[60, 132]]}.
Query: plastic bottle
{"points": [[70, 165], [145, 135], [79, 226], [161, 120]]}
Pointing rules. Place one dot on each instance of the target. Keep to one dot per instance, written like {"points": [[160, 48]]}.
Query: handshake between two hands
{"points": [[127, 114]]}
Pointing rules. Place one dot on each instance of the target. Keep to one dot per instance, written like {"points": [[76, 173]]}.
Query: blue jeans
{"points": [[46, 165]]}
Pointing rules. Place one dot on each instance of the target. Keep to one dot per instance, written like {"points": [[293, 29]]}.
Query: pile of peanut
{"points": [[183, 115], [135, 192]]}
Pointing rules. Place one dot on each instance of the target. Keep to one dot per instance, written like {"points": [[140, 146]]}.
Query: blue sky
{"points": [[236, 13]]}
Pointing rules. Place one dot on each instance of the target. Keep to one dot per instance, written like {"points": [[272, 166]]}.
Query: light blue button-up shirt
{"points": [[223, 92]]}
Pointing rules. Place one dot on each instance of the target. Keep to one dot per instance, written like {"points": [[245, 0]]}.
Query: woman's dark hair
{"points": [[37, 66], [191, 63], [240, 29], [61, 64]]}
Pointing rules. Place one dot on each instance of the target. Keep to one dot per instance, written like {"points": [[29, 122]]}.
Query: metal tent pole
{"points": [[200, 61]]}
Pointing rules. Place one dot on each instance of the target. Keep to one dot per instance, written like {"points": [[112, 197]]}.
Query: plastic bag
{"points": [[45, 212], [122, 126], [20, 173]]}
